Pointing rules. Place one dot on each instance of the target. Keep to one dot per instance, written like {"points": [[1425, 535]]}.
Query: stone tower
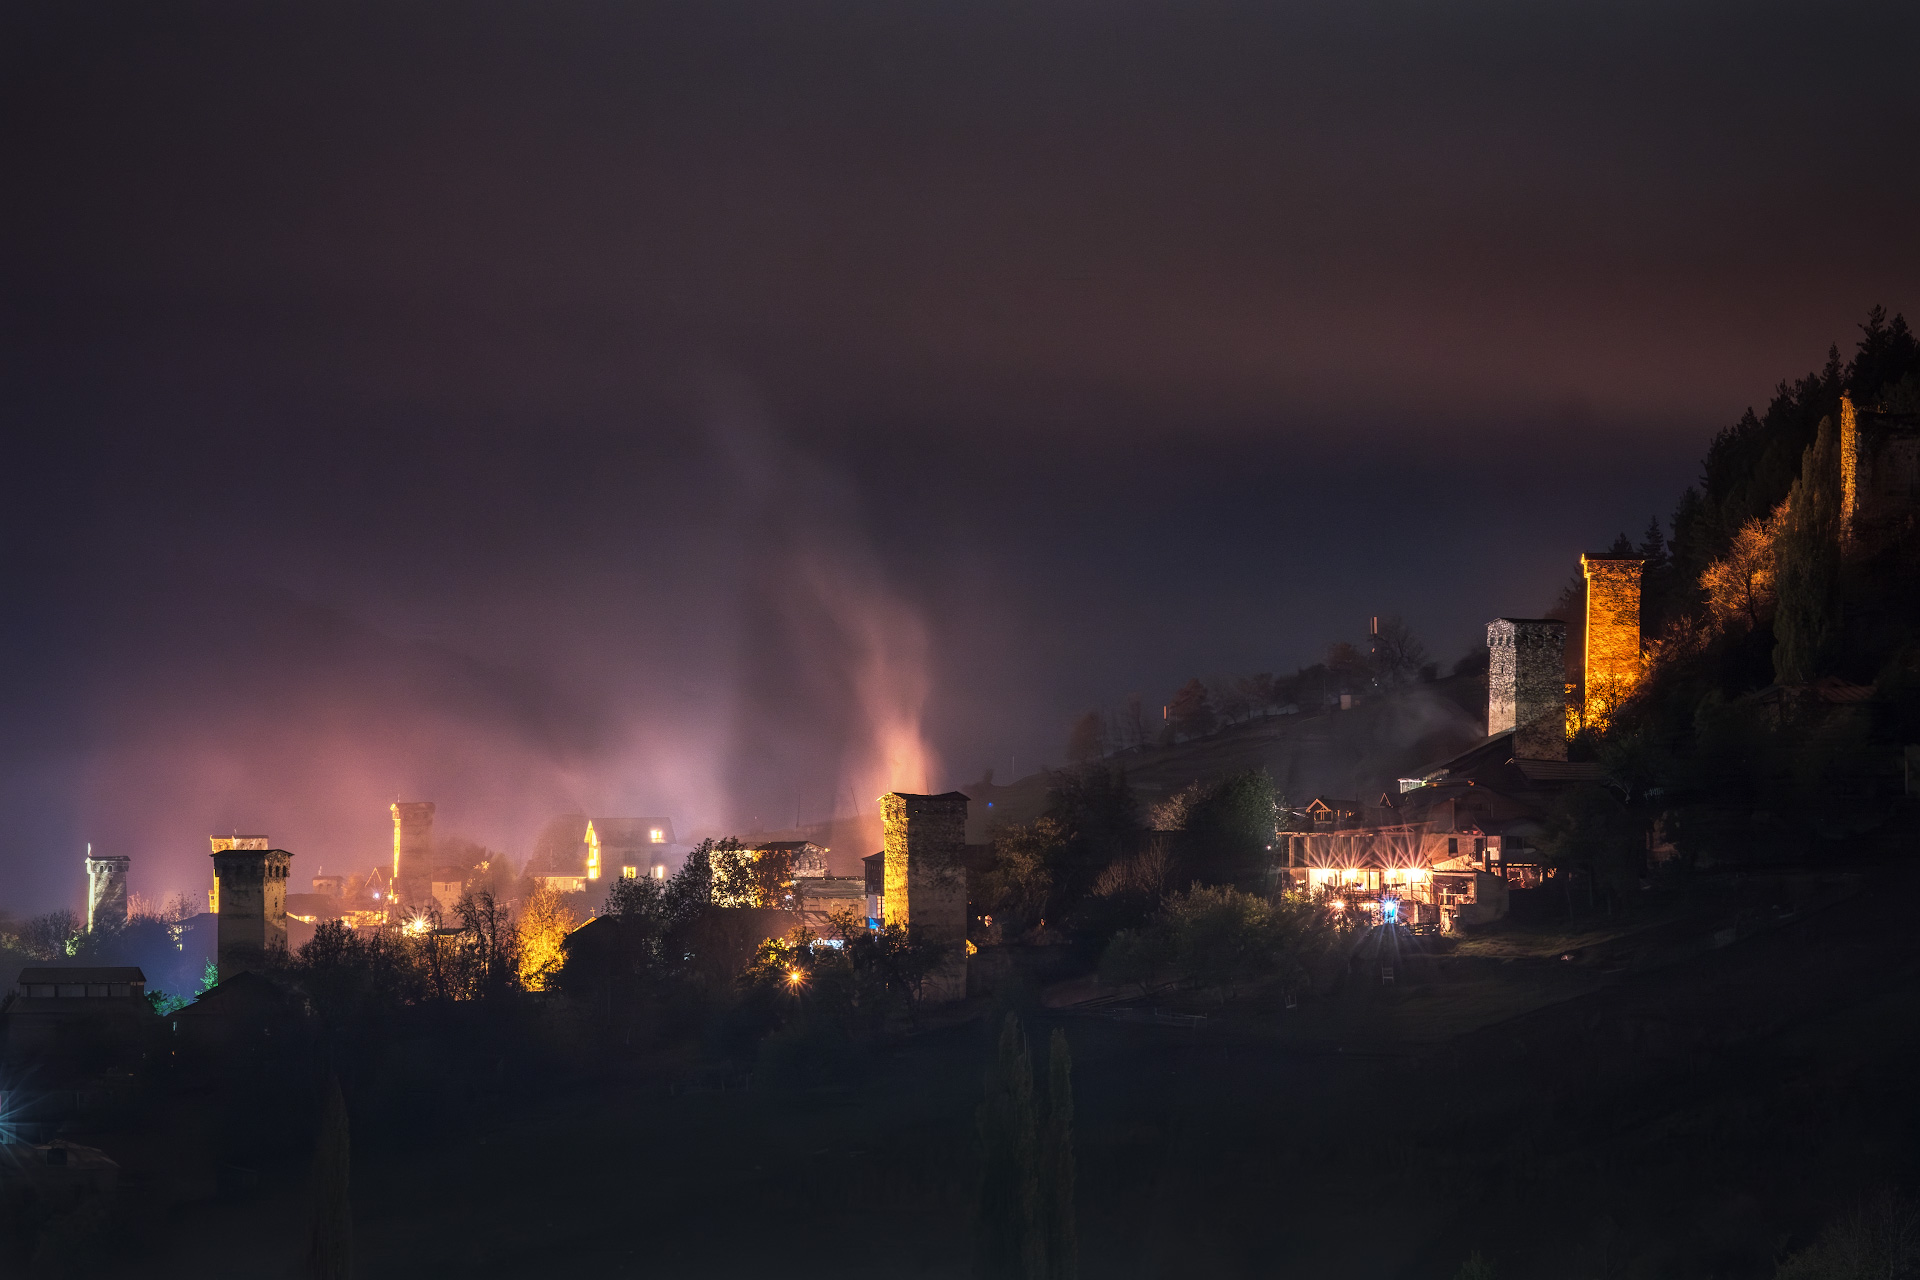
{"points": [[253, 906], [106, 889], [1612, 667], [413, 852], [220, 845], [926, 880], [1526, 685], [1849, 467]]}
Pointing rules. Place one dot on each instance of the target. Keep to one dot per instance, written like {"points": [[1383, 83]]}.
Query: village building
{"points": [[631, 847], [1462, 836], [58, 1011], [819, 898], [574, 851]]}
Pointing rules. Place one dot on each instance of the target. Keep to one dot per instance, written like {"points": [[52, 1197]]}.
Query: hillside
{"points": [[1355, 753]]}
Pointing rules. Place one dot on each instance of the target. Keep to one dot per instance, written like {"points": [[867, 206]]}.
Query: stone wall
{"points": [[253, 906], [925, 840], [1526, 687], [106, 890], [413, 852], [1612, 668]]}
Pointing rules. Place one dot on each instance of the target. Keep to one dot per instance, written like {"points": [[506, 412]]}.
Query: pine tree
{"points": [[1656, 579], [1807, 565], [330, 1233], [1057, 1172], [1006, 1244]]}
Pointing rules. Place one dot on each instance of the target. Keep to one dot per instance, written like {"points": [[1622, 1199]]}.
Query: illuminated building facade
{"points": [[633, 847], [1611, 670]]}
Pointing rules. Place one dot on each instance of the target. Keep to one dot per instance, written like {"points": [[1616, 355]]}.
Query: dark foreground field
{"points": [[1657, 1106]]}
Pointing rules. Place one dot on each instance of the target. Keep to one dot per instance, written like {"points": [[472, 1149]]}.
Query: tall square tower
{"points": [[1526, 685], [926, 880], [253, 906], [413, 852], [1611, 670], [106, 889]]}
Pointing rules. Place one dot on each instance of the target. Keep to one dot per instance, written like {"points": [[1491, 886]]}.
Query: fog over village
{"points": [[1003, 641]]}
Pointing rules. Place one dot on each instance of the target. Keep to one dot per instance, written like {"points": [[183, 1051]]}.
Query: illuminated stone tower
{"points": [[1849, 466], [413, 852], [1612, 667], [220, 845], [1526, 685], [253, 906], [926, 880], [106, 889]]}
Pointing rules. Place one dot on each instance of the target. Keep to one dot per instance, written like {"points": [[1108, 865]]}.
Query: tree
{"points": [[1397, 655], [1229, 828], [1887, 353], [1807, 565], [489, 945], [1474, 1268], [1347, 667], [1740, 585], [330, 1222], [1222, 938], [545, 923], [1016, 886], [1006, 1244], [1058, 1224], [1878, 1241], [1589, 830], [1135, 958], [1230, 699], [1087, 740], [1191, 712]]}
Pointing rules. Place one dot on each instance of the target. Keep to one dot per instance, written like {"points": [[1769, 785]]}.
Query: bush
{"points": [[1222, 938], [1879, 1241]]}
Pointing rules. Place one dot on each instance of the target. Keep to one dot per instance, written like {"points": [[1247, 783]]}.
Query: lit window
{"points": [[659, 873], [629, 873], [657, 836]]}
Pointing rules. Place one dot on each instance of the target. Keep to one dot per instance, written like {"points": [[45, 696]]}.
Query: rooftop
{"points": [[83, 973]]}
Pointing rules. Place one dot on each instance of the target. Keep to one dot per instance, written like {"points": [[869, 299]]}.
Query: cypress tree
{"points": [[1806, 620], [1006, 1244], [330, 1235], [1056, 1166]]}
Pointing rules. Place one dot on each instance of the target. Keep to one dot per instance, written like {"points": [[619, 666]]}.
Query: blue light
{"points": [[1390, 910]]}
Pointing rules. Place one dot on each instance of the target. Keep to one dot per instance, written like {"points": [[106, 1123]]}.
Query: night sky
{"points": [[687, 408]]}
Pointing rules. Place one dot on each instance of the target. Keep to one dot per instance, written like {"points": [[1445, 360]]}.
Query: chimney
{"points": [[926, 880], [1526, 689]]}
